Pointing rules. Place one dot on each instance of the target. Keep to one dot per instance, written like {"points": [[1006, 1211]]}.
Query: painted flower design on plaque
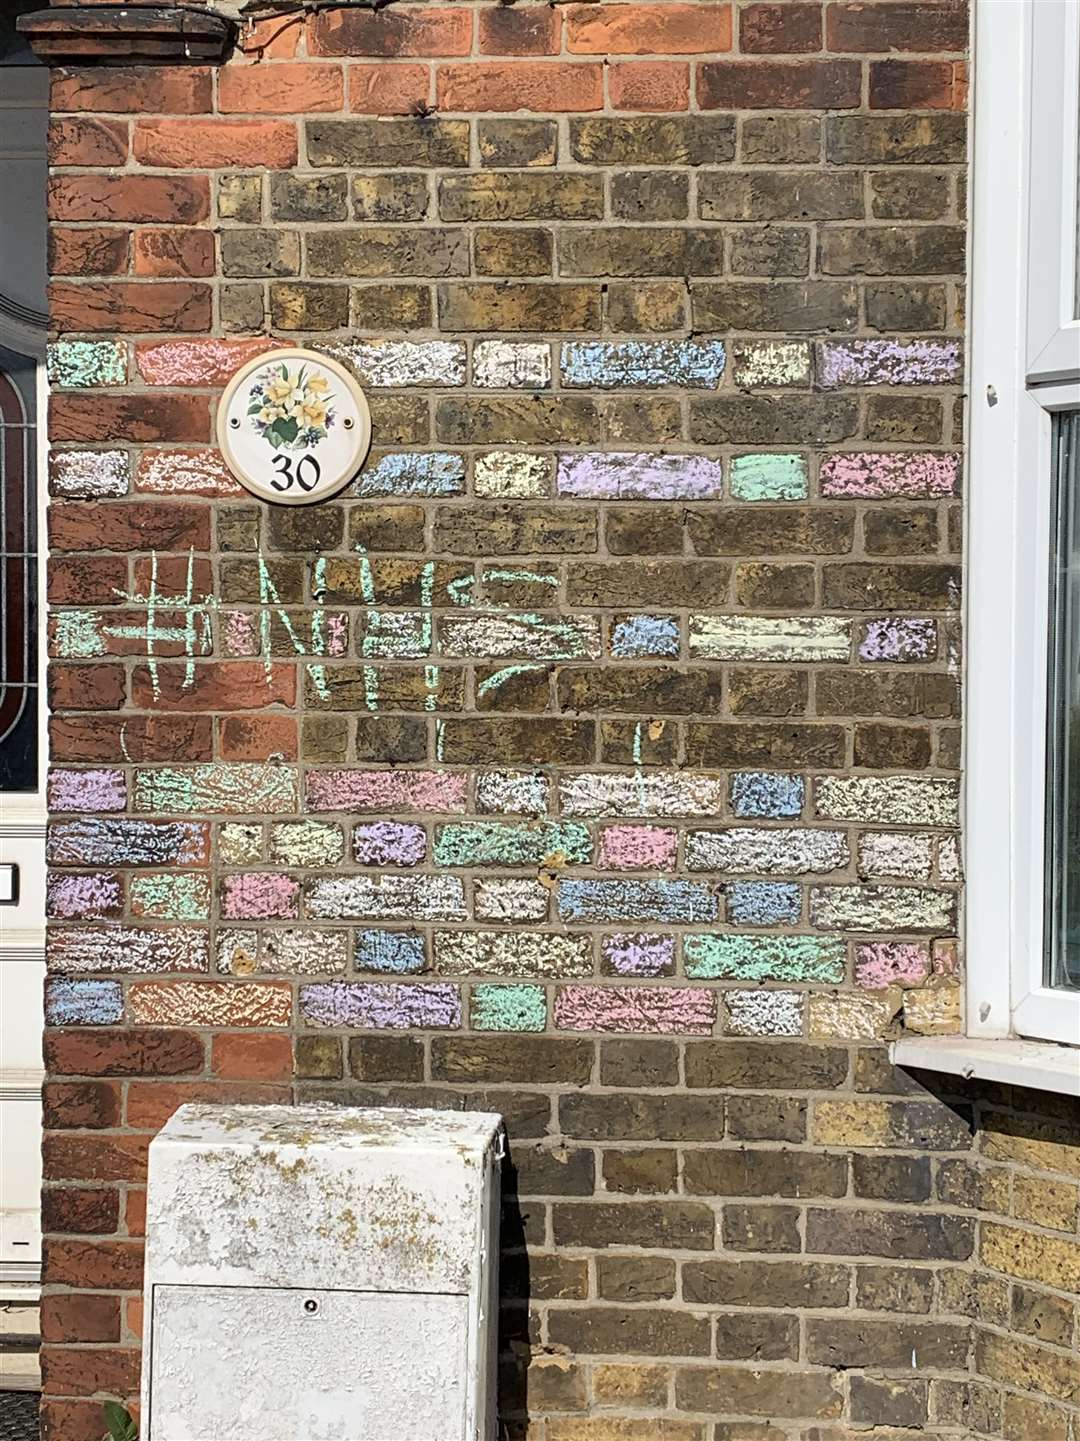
{"points": [[294, 427]]}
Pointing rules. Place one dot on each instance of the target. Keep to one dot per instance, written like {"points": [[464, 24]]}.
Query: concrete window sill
{"points": [[1038, 1064]]}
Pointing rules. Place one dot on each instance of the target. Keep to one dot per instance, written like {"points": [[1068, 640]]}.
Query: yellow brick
{"points": [[1039, 1144], [851, 1123], [1031, 1256], [643, 1428], [853, 1017], [1024, 1418], [1027, 1367], [1045, 1202], [630, 1386], [932, 1010]]}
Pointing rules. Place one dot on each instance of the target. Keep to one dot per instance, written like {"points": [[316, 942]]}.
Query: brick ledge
{"points": [[124, 35]]}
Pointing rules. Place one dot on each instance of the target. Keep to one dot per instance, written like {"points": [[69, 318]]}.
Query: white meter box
{"points": [[322, 1274]]}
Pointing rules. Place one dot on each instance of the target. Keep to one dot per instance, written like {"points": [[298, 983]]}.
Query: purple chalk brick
{"points": [[100, 790], [627, 475], [389, 843], [664, 1010], [381, 1005], [899, 638], [643, 954], [888, 362], [358, 790]]}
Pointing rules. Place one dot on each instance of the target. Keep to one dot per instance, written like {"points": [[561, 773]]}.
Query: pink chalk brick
{"points": [[210, 1003], [873, 475], [638, 848], [186, 472], [239, 633], [880, 964], [664, 1010], [100, 790], [261, 895], [197, 362], [356, 790]]}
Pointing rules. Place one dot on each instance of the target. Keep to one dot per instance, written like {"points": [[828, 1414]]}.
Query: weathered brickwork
{"points": [[595, 757]]}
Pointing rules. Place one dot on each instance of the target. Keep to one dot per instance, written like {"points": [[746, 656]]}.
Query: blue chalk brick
{"points": [[767, 793], [83, 1003], [645, 635], [397, 951], [673, 901], [763, 903]]}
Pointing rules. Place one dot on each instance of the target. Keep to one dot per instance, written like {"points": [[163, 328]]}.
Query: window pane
{"points": [[18, 577], [1063, 778]]}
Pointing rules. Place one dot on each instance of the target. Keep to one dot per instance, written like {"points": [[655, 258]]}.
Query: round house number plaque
{"points": [[294, 427]]}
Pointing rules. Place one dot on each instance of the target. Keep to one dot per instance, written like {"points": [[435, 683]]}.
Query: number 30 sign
{"points": [[294, 427]]}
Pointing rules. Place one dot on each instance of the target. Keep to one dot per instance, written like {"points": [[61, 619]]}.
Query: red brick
{"points": [[142, 199], [177, 577], [129, 525], [274, 38], [88, 252], [84, 140], [136, 90], [174, 252], [649, 85], [392, 34], [86, 687], [94, 416], [149, 307], [74, 1371], [80, 1316], [93, 1265], [208, 144], [280, 89], [151, 1103], [94, 1158], [90, 580], [214, 686], [918, 85], [80, 1104], [74, 1210], [929, 27], [389, 89], [531, 29], [666, 29], [135, 622], [237, 1056], [145, 1051], [135, 1211], [132, 738], [764, 85], [780, 29], [257, 738], [548, 86], [133, 1315], [70, 1420]]}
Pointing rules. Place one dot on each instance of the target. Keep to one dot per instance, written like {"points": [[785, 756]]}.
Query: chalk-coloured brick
{"points": [[88, 474], [905, 854], [396, 952], [646, 793], [899, 638], [769, 477], [301, 951], [381, 1005], [127, 843], [401, 364], [511, 364], [673, 901], [508, 1008], [389, 843], [512, 953], [239, 843], [882, 908], [397, 790], [306, 844], [222, 788], [127, 948], [231, 1004], [853, 1017], [77, 635], [387, 898], [950, 867], [764, 1013], [880, 964], [754, 850], [412, 473], [204, 361], [629, 475], [513, 899], [512, 792], [260, 896], [638, 954], [76, 364], [658, 1010], [532, 637], [488, 843], [89, 790], [888, 800], [236, 950], [713, 957], [874, 475], [763, 903], [641, 364], [182, 897], [634, 636], [770, 638], [186, 472], [888, 362], [933, 1010], [511, 475], [83, 1003], [83, 898], [638, 848], [768, 364], [767, 795]]}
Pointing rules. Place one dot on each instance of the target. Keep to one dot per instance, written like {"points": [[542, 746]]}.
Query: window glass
{"points": [[18, 577]]}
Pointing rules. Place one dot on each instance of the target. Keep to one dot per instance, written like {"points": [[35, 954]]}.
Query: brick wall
{"points": [[594, 758]]}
